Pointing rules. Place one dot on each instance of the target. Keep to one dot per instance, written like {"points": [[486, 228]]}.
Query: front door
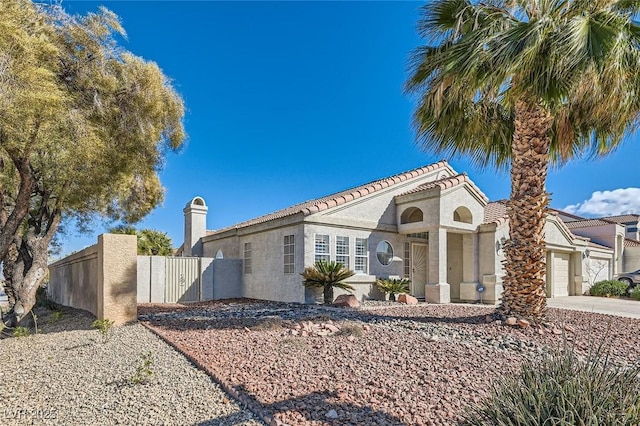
{"points": [[419, 271]]}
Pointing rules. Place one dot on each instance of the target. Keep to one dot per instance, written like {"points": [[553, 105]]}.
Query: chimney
{"points": [[195, 226]]}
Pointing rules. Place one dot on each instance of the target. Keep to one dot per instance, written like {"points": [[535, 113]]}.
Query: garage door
{"points": [[560, 281]]}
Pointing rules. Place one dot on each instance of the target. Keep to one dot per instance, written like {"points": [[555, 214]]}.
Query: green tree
{"points": [[327, 276], [84, 128], [526, 84], [150, 241]]}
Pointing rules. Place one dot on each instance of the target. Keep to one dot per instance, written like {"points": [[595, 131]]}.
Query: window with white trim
{"points": [[322, 252], [289, 254], [342, 251], [361, 256], [247, 258]]}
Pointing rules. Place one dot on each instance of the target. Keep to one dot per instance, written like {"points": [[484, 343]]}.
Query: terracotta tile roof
{"points": [[446, 183], [596, 245], [628, 242], [314, 206], [585, 223], [496, 211], [567, 214], [623, 218]]}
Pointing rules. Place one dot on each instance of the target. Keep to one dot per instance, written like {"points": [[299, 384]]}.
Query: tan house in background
{"points": [[431, 225]]}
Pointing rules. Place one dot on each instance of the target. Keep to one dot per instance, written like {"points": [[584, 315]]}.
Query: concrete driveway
{"points": [[601, 305]]}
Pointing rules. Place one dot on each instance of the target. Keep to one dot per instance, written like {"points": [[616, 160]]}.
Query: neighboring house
{"points": [[431, 225]]}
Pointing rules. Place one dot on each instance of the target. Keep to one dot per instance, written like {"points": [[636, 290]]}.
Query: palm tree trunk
{"points": [[328, 294], [524, 294]]}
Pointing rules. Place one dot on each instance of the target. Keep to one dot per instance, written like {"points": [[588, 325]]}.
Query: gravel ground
{"points": [[392, 365], [66, 375]]}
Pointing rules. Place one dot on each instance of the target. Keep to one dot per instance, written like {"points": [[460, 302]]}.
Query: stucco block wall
{"points": [[144, 279], [73, 281], [227, 279], [117, 285], [101, 279]]}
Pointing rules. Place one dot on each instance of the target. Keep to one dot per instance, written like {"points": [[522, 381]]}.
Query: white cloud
{"points": [[608, 203]]}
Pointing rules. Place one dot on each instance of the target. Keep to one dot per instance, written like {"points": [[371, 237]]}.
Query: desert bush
{"points": [[144, 369], [104, 326], [635, 293], [20, 331], [608, 288], [561, 389], [393, 287]]}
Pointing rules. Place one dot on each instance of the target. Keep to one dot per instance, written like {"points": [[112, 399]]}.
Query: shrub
{"points": [[143, 369], [561, 389], [635, 293], [104, 326], [20, 331], [327, 276], [393, 287], [608, 288]]}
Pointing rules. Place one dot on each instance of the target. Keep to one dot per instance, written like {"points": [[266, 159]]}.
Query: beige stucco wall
{"points": [[100, 279], [631, 259]]}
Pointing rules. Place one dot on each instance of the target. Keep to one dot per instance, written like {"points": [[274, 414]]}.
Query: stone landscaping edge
{"points": [[243, 401]]}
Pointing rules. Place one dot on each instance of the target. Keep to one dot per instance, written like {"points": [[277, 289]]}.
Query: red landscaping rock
{"points": [[409, 300], [346, 301], [511, 321]]}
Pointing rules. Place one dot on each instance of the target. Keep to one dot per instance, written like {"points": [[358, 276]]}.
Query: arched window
{"points": [[411, 215], [462, 214]]}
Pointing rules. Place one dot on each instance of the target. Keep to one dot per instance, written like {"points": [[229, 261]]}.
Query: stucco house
{"points": [[431, 225]]}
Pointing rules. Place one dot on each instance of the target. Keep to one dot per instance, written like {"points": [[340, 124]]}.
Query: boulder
{"points": [[409, 300], [511, 321], [346, 301], [523, 323]]}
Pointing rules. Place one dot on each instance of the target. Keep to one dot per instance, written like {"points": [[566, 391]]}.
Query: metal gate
{"points": [[182, 283]]}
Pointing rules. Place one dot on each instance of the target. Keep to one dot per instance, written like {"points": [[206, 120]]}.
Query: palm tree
{"points": [[526, 84], [327, 276]]}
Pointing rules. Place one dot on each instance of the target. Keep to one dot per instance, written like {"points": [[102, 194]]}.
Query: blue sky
{"points": [[289, 101]]}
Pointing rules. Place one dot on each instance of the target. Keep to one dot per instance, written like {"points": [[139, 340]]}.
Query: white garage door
{"points": [[560, 281]]}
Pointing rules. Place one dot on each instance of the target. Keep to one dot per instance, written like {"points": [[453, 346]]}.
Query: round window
{"points": [[384, 252]]}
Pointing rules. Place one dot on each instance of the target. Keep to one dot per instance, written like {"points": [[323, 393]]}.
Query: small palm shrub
{"points": [[608, 288], [561, 389], [635, 293], [327, 276], [393, 287]]}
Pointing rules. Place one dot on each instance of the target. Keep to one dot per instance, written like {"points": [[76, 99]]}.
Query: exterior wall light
{"points": [[500, 244], [586, 254]]}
